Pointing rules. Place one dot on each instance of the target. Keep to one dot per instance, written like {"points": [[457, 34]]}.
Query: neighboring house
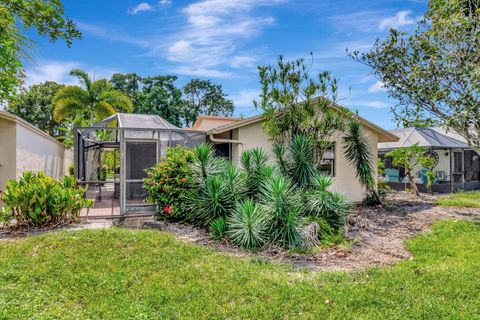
{"points": [[457, 165], [231, 138], [24, 147]]}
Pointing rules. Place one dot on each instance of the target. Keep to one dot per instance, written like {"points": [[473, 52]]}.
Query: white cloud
{"points": [[59, 71], [376, 87], [164, 3], [201, 72], [214, 33], [140, 8], [245, 98], [400, 19]]}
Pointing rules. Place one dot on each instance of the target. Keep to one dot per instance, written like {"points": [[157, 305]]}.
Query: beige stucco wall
{"points": [[7, 151], [36, 152], [252, 136]]}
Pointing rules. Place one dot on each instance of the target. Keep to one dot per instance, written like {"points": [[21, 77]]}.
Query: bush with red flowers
{"points": [[169, 182]]}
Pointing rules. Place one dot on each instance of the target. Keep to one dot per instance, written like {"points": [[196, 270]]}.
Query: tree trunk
{"points": [[413, 184]]}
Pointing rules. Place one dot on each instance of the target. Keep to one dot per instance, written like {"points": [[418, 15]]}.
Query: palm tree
{"points": [[97, 99], [357, 152]]}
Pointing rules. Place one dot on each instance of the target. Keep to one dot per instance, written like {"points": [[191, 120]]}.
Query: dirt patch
{"points": [[378, 235]]}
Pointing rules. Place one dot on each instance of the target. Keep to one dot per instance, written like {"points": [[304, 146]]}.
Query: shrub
{"points": [[254, 163], [38, 200], [334, 207], [213, 200], [297, 160], [283, 205], [247, 226], [169, 182], [218, 228], [205, 164]]}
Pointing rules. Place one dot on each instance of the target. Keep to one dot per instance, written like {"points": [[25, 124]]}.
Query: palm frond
{"points": [[118, 100], [66, 107], [83, 77], [103, 109]]}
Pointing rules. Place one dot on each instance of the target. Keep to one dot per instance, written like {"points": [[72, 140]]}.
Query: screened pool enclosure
{"points": [[111, 158]]}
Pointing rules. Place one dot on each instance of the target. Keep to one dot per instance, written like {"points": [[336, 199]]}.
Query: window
{"points": [[327, 165]]}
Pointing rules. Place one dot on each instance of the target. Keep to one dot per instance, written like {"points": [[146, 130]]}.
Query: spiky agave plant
{"points": [[254, 162], [234, 181], [297, 160], [211, 201], [205, 163], [358, 153], [332, 206], [218, 228], [283, 204], [247, 226]]}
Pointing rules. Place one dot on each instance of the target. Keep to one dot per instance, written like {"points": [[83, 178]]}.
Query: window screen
{"points": [[139, 156]]}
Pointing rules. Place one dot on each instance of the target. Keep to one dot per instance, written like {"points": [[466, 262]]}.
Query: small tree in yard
{"points": [[435, 72], [409, 158]]}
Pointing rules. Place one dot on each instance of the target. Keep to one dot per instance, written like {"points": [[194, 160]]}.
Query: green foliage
{"points": [[294, 102], [218, 228], [34, 104], [332, 206], [205, 164], [213, 200], [434, 73], [95, 101], [297, 160], [16, 17], [169, 182], [409, 158], [461, 200], [283, 205], [38, 200], [327, 235], [254, 163], [202, 97], [358, 153], [159, 95], [247, 226]]}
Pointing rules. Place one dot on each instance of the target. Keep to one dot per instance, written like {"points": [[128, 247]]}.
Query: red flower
{"points": [[183, 180], [167, 209], [152, 183], [164, 189], [163, 182]]}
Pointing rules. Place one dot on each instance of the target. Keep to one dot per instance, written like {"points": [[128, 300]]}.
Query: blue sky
{"points": [[225, 40]]}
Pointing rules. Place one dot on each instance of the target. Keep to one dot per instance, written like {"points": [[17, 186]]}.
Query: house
{"points": [[235, 136], [457, 166], [24, 147]]}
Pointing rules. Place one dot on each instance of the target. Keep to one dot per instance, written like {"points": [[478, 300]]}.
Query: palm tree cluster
{"points": [[95, 100], [263, 203]]}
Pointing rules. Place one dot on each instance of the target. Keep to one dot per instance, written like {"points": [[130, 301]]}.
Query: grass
{"points": [[461, 199], [122, 274]]}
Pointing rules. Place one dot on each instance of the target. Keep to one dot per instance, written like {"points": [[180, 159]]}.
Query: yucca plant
{"points": [[283, 204], [247, 226], [211, 201], [358, 153], [332, 206], [297, 160], [218, 228], [254, 162], [205, 163], [234, 181]]}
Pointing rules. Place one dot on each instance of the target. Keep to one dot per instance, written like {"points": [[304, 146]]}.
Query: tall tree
{"points": [[434, 73], [156, 95], [204, 98], [47, 17], [34, 104], [96, 100]]}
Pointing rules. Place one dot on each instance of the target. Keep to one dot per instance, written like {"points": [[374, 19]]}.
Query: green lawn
{"points": [[121, 274], [461, 199]]}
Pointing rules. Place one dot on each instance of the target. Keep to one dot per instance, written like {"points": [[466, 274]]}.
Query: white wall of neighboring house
{"points": [[24, 147], [38, 153]]}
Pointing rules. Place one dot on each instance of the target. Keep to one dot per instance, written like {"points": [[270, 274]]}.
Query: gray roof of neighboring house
{"points": [[425, 137], [138, 121]]}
